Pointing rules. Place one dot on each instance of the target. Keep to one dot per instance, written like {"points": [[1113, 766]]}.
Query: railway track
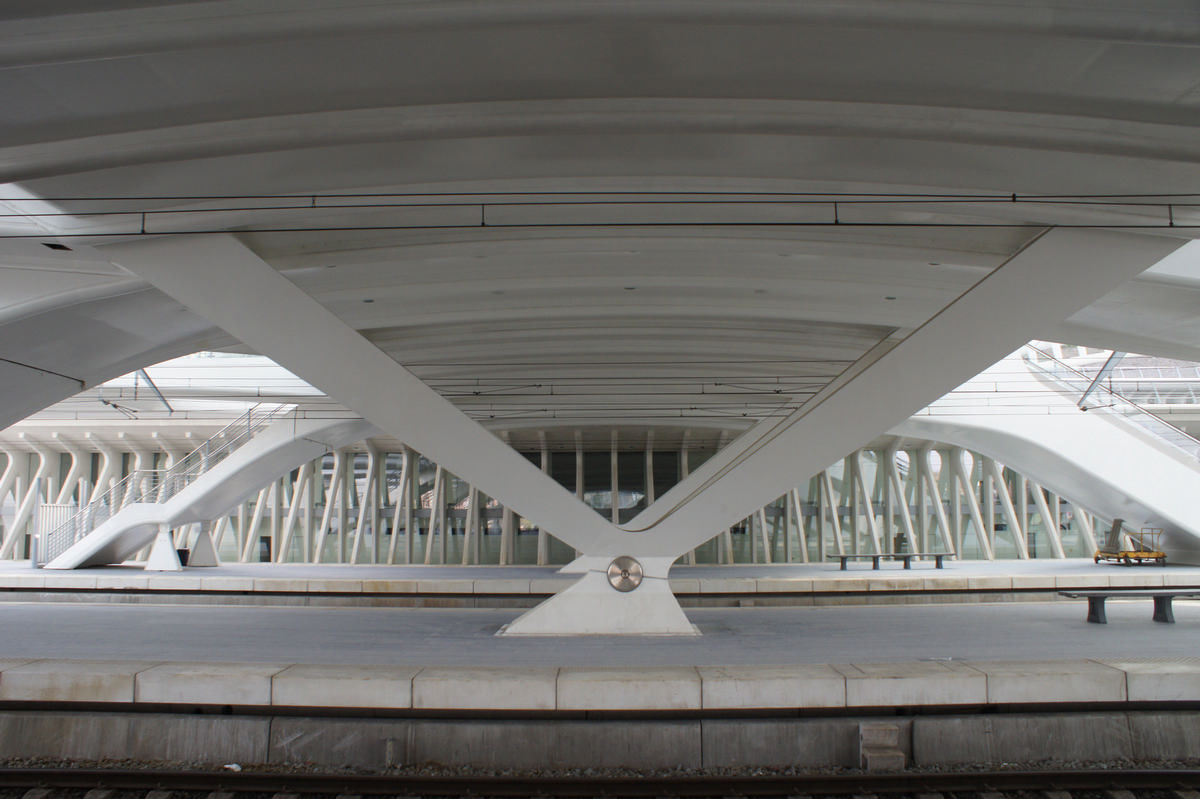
{"points": [[127, 784]]}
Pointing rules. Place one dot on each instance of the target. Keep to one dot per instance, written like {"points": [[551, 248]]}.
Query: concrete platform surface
{"points": [[516, 581], [946, 652], [466, 638]]}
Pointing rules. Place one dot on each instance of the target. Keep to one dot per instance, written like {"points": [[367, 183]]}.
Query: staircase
{"points": [[153, 486]]}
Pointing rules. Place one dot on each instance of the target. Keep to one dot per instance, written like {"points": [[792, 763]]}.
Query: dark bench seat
{"points": [[907, 557], [1163, 612]]}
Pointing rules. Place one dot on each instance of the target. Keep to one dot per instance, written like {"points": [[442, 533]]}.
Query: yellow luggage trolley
{"points": [[1141, 547]]}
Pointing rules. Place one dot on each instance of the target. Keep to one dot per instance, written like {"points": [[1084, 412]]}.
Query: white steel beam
{"points": [[1061, 272], [269, 313]]}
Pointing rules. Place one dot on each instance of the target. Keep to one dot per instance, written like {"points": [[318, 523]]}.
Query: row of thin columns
{"points": [[845, 510]]}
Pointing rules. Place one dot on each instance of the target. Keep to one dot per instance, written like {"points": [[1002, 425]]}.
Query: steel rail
{"points": [[631, 786]]}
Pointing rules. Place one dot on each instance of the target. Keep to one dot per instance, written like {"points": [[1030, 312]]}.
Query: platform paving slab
{"points": [[497, 688], [123, 582], [344, 686], [24, 579], [280, 584], [207, 683], [71, 681], [990, 583], [900, 582], [729, 585], [917, 684], [800, 686], [684, 585], [223, 583], [445, 586], [778, 585], [175, 582], [1016, 682], [500, 586], [1159, 680], [376, 586], [654, 688], [335, 586]]}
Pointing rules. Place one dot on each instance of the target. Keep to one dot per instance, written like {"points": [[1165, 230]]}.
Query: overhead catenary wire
{"points": [[834, 203]]}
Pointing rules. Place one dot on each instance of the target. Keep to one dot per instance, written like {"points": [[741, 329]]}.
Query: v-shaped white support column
{"points": [[223, 281], [1057, 275], [1065, 270]]}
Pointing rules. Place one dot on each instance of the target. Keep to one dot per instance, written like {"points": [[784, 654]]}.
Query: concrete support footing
{"points": [[650, 743], [592, 606], [163, 557]]}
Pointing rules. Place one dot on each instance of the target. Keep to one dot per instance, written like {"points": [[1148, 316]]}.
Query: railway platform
{"points": [[246, 672]]}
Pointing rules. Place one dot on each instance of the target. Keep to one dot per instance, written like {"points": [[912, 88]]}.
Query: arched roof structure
{"points": [[598, 218]]}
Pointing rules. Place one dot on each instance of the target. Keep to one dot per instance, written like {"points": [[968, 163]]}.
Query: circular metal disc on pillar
{"points": [[625, 573]]}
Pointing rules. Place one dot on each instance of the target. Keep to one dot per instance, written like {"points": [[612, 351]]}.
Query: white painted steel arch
{"points": [[1099, 459]]}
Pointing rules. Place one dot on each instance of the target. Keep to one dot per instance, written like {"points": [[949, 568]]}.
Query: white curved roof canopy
{"points": [[587, 216]]}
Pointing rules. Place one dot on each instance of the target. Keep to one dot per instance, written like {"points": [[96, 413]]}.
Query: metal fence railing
{"points": [[155, 485], [1109, 402]]}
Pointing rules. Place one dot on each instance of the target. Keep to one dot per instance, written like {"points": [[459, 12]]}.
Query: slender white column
{"points": [[963, 480], [349, 496], [1016, 529], [829, 506], [110, 462], [332, 499], [1049, 520], [250, 534], [543, 539], [364, 507], [299, 495], [412, 502], [897, 490], [437, 515], [614, 481], [470, 551], [401, 508], [12, 537], [987, 490], [1086, 528], [860, 489], [1023, 505], [9, 478], [73, 473]]}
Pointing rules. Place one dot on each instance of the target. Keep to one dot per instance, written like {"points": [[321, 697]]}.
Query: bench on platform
{"points": [[907, 557], [1163, 598]]}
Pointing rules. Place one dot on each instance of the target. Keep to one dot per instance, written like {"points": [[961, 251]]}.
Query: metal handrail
{"points": [[157, 485], [1117, 404]]}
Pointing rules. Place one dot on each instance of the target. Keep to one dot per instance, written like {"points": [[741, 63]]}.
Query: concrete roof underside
{"points": [[570, 218]]}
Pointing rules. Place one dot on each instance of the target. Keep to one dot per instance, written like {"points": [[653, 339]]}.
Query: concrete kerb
{"points": [[656, 689]]}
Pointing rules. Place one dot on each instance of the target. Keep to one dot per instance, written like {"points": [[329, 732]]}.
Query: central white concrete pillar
{"points": [[617, 596]]}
